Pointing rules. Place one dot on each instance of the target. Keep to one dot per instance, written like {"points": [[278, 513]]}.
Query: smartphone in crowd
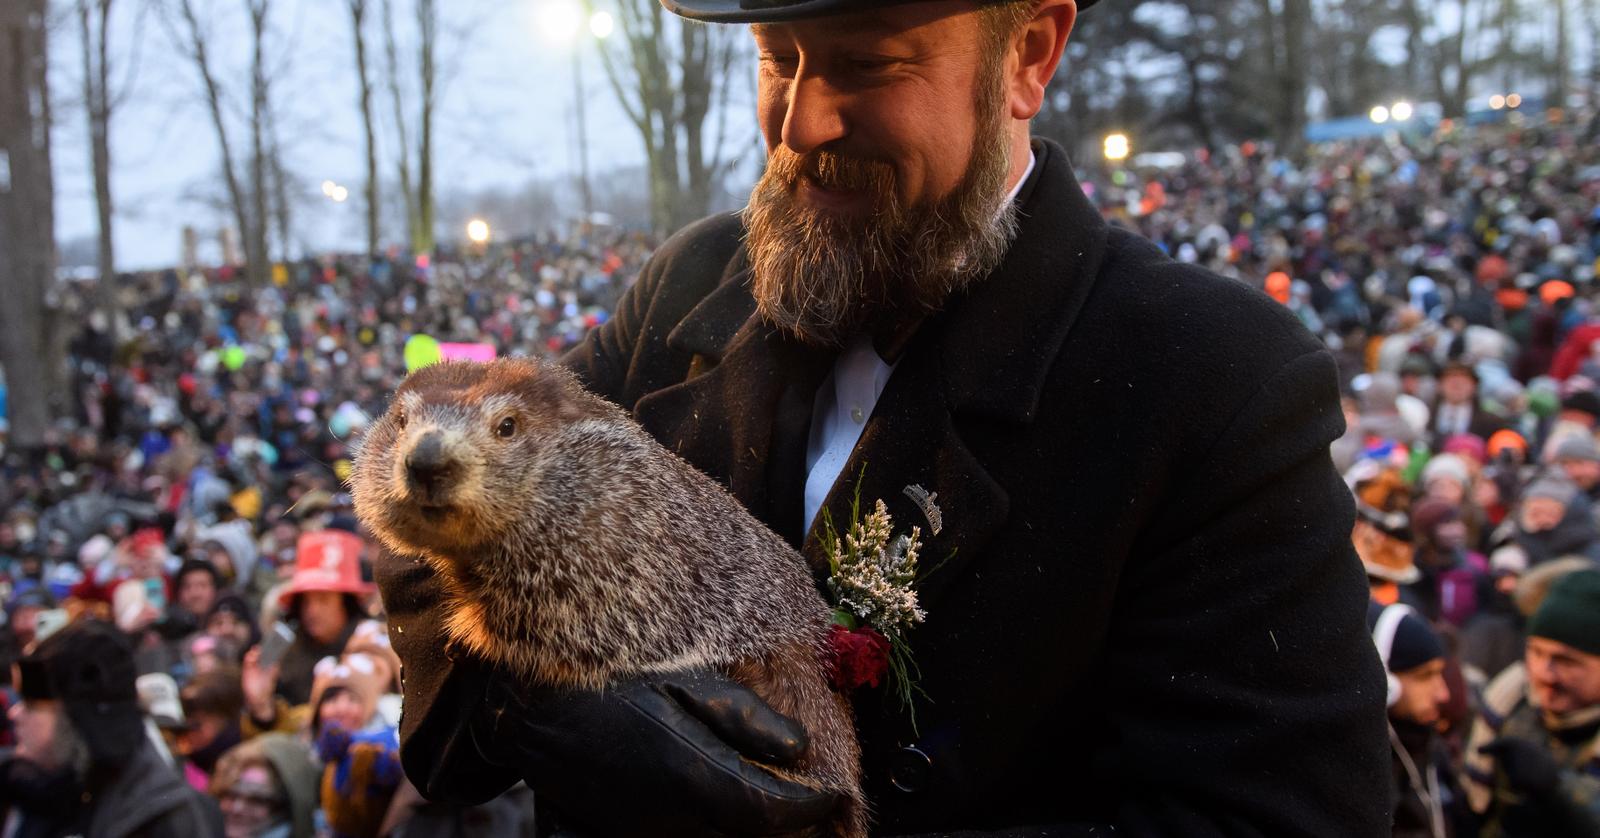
{"points": [[275, 643]]}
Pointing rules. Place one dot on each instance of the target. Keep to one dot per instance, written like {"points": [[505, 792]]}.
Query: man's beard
{"points": [[49, 784], [822, 276]]}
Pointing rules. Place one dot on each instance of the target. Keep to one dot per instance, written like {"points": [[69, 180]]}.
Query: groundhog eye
{"points": [[507, 427], [400, 418]]}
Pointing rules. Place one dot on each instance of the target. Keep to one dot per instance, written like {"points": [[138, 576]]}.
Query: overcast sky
{"points": [[505, 117]]}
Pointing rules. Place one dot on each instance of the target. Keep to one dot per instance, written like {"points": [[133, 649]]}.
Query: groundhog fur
{"points": [[575, 549]]}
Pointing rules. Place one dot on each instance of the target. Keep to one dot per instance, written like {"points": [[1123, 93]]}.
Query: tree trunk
{"points": [[1293, 83], [358, 17], [255, 248], [1558, 69], [428, 27], [1416, 52], [27, 248], [408, 193], [198, 54], [282, 207], [670, 117], [97, 107]]}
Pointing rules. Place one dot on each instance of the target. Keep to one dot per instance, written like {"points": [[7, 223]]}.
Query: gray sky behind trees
{"points": [[505, 119], [505, 116]]}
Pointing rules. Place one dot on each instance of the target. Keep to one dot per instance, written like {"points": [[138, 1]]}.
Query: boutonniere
{"points": [[873, 575]]}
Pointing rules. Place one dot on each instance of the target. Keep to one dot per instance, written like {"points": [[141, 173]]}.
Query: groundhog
{"points": [[575, 549]]}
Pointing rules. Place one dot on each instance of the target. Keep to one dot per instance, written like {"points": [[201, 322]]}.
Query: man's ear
{"points": [[1035, 52]]}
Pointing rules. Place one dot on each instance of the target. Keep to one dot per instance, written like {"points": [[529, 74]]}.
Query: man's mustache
{"points": [[830, 170]]}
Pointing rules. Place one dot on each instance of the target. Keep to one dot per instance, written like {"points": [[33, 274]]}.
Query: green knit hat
{"points": [[1570, 612]]}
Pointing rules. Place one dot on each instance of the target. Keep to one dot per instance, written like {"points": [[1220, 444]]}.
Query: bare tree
{"points": [[256, 235], [193, 40], [94, 19], [1560, 55], [427, 44], [391, 52], [358, 19], [669, 76], [27, 222], [1287, 23]]}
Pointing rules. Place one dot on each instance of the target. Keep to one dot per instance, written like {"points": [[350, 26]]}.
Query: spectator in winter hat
{"points": [[359, 750], [1447, 589], [231, 620], [23, 611], [1555, 520], [323, 602], [267, 787], [1492, 639], [1507, 443], [1579, 458], [1447, 477], [231, 548], [1383, 414], [1529, 759], [1469, 447], [83, 763], [1414, 658]]}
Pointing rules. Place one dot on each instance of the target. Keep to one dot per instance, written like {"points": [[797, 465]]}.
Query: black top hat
{"points": [[776, 11]]}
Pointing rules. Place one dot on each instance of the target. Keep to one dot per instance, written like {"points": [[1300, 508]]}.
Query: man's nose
{"points": [[815, 117]]}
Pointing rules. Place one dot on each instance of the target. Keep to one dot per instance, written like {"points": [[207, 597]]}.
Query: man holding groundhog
{"points": [[1152, 618]]}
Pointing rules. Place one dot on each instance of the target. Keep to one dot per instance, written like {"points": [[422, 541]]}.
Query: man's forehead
{"points": [[1550, 646]]}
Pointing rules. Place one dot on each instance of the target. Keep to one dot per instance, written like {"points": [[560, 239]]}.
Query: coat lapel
{"points": [[911, 441], [745, 406]]}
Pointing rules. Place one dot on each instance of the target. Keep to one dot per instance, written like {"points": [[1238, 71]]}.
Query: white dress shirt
{"points": [[845, 401]]}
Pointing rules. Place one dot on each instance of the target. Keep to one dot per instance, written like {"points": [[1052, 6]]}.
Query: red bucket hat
{"points": [[326, 560]]}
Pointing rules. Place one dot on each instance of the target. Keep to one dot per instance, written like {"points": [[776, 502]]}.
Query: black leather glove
{"points": [[1528, 768], [653, 755]]}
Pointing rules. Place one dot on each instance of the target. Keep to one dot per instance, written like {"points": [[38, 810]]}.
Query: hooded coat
{"points": [[1152, 615], [291, 761], [145, 797]]}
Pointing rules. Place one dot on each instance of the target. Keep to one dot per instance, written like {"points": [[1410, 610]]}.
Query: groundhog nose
{"points": [[428, 467]]}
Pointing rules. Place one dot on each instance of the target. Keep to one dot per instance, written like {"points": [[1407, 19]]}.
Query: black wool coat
{"points": [[1153, 617]]}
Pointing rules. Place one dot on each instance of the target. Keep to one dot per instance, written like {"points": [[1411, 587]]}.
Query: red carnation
{"points": [[859, 657]]}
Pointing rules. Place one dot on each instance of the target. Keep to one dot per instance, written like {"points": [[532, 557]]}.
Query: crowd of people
{"points": [[186, 587], [189, 534], [1453, 275]]}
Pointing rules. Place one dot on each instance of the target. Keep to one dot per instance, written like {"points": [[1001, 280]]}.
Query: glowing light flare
{"points": [[1379, 114], [560, 21], [601, 25], [1401, 111], [1496, 102], [478, 231], [1513, 100], [1117, 147]]}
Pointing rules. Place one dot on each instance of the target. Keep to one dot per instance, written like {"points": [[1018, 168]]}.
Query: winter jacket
{"points": [[1574, 810]]}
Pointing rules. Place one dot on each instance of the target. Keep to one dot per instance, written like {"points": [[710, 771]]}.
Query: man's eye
{"points": [[873, 64], [779, 62]]}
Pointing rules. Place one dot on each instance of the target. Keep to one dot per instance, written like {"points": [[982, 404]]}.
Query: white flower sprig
{"points": [[873, 574], [873, 583]]}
